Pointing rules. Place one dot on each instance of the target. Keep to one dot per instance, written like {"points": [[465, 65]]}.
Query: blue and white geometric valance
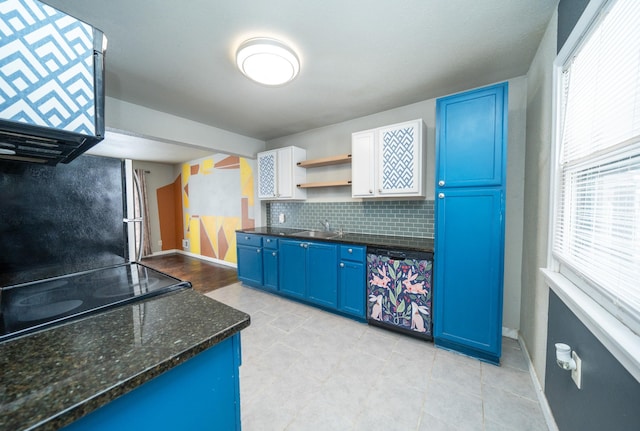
{"points": [[46, 67]]}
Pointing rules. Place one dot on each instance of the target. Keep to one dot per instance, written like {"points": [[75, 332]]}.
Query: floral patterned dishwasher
{"points": [[399, 291]]}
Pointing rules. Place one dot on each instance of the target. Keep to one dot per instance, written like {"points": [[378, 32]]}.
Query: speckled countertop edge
{"points": [[54, 377], [369, 240]]}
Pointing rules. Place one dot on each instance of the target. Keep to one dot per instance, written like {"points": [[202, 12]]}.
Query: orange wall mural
{"points": [[210, 199]]}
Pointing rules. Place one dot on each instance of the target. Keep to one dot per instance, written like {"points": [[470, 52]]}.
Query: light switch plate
{"points": [[576, 374]]}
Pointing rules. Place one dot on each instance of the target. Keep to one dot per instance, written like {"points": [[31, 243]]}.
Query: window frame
{"points": [[588, 302]]}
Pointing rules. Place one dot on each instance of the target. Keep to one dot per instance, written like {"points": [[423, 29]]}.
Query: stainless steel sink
{"points": [[318, 234]]}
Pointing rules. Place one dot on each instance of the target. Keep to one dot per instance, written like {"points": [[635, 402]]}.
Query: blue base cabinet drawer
{"points": [[249, 239], [353, 253]]}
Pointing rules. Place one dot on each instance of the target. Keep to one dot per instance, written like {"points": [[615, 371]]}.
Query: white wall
{"points": [[535, 294], [159, 176], [148, 122], [336, 139]]}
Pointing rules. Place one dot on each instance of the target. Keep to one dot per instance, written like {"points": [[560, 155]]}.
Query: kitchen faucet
{"points": [[326, 225]]}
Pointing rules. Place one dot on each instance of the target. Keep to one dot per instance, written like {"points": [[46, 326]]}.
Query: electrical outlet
{"points": [[281, 218], [185, 243], [576, 374]]}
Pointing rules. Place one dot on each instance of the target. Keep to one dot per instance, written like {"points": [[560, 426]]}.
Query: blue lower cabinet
{"points": [[322, 274], [201, 393], [352, 280], [250, 265], [468, 303], [352, 288], [326, 274], [270, 263], [309, 271], [293, 267], [270, 266]]}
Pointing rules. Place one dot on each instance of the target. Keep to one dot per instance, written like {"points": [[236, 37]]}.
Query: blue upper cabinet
{"points": [[469, 238], [473, 128]]}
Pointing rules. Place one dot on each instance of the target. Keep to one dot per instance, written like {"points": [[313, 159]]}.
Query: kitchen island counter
{"points": [[54, 377], [370, 240]]}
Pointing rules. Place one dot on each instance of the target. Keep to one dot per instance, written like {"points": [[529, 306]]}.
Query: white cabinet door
{"points": [[279, 174], [285, 173], [363, 164], [400, 159], [388, 161], [267, 171]]}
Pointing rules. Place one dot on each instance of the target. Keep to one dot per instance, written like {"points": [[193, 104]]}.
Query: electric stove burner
{"points": [[41, 311], [30, 306], [118, 290]]}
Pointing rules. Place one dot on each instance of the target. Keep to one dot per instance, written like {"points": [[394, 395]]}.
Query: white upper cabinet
{"points": [[279, 175], [389, 161]]}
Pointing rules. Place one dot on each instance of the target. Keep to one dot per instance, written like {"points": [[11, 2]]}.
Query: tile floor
{"points": [[306, 369]]}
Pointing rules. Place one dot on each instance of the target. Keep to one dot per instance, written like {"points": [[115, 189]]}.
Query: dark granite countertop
{"points": [[53, 377], [400, 242]]}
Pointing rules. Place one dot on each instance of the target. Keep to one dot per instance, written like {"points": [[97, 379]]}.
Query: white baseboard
{"points": [[197, 256], [542, 399], [510, 333]]}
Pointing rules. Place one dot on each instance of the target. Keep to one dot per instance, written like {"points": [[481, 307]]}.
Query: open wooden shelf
{"points": [[325, 184], [325, 161]]}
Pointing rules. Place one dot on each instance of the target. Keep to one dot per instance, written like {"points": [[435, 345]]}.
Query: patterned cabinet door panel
{"points": [[47, 73], [267, 175], [400, 159]]}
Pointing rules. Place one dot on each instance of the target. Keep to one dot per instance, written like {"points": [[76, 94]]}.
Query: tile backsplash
{"points": [[399, 218]]}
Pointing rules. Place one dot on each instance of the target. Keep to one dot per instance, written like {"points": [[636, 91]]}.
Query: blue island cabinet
{"points": [[202, 393], [471, 133]]}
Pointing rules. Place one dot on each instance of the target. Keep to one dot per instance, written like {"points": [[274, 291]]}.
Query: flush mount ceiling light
{"points": [[267, 61]]}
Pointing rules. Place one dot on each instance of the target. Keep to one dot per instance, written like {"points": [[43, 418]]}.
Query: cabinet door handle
{"points": [[268, 240], [302, 244], [441, 195], [246, 237], [370, 191], [441, 183], [273, 254], [350, 251], [341, 264], [258, 250]]}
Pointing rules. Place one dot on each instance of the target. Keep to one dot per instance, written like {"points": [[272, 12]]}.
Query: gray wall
{"points": [[610, 396], [533, 309], [336, 139]]}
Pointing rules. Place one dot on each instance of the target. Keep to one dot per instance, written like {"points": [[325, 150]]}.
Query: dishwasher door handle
{"points": [[396, 254]]}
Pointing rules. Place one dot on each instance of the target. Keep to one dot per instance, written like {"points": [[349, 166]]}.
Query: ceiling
{"points": [[358, 57]]}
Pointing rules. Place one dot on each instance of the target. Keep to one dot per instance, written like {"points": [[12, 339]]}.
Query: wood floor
{"points": [[204, 276]]}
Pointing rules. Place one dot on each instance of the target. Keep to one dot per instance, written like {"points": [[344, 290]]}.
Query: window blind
{"points": [[597, 226]]}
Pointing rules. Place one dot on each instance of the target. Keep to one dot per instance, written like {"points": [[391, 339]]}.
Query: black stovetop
{"points": [[35, 305]]}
